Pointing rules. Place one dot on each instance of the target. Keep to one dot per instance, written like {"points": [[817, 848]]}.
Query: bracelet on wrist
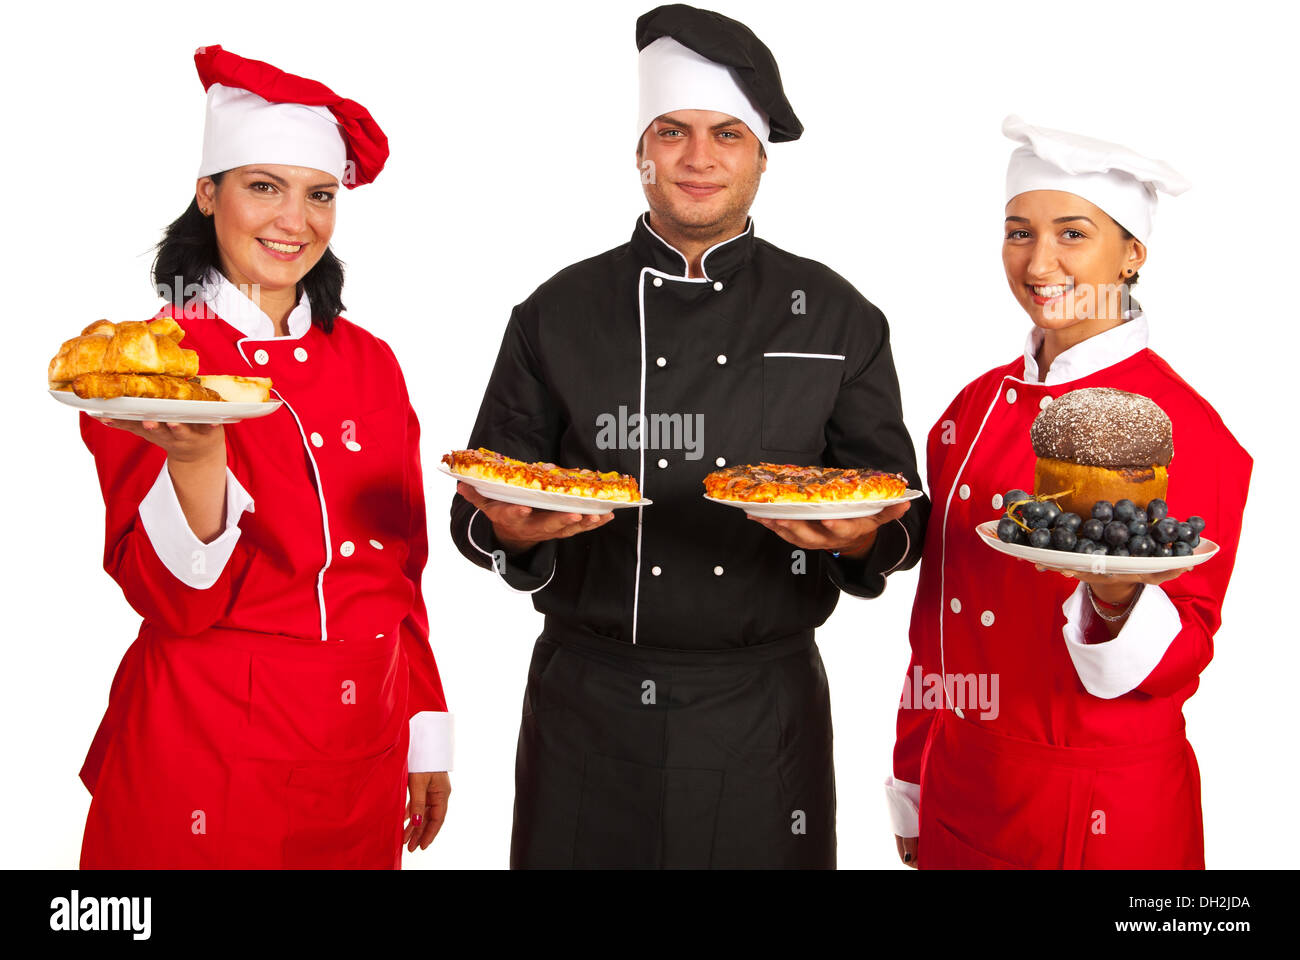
{"points": [[1123, 609]]}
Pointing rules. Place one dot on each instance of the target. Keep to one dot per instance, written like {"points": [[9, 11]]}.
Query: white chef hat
{"points": [[241, 127], [1113, 177], [674, 77]]}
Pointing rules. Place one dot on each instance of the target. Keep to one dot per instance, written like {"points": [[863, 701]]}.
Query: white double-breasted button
{"points": [[717, 285], [986, 618], [376, 544], [655, 571], [717, 571], [261, 356], [300, 354], [997, 501], [317, 440], [662, 463], [964, 492], [353, 446], [958, 711], [722, 358], [661, 362], [1011, 394], [346, 548], [721, 461], [955, 605], [379, 636], [1044, 403], [659, 281]]}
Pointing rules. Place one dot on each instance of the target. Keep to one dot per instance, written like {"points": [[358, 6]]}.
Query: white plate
{"points": [[167, 411], [541, 499], [832, 510], [1060, 560]]}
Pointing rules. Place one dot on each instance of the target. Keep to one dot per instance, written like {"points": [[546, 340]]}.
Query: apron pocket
{"points": [[618, 814], [345, 815], [941, 849]]}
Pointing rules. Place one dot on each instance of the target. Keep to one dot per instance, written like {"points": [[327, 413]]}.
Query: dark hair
{"points": [[188, 250]]}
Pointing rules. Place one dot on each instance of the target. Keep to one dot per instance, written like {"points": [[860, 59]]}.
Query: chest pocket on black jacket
{"points": [[799, 391]]}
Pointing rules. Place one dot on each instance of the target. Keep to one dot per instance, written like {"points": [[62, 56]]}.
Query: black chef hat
{"points": [[666, 70]]}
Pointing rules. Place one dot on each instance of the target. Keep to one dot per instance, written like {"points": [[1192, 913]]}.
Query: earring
{"points": [[1128, 273]]}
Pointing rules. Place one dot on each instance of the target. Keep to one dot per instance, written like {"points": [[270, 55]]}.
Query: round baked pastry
{"points": [[1102, 444]]}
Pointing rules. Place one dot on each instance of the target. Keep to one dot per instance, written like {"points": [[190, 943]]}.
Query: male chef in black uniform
{"points": [[676, 712]]}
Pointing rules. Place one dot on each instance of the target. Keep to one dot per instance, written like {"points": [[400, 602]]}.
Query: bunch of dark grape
{"points": [[1121, 529]]}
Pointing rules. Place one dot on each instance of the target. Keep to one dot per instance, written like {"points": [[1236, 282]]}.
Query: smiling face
{"points": [[1066, 261], [273, 222], [706, 168]]}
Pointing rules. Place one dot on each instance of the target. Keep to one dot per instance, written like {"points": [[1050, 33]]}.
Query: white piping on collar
{"points": [[645, 219]]}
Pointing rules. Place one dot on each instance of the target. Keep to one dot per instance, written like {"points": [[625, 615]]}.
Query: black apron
{"points": [[636, 756]]}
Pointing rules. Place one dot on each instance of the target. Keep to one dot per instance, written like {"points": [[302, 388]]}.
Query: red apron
{"points": [[1089, 807], [237, 749]]}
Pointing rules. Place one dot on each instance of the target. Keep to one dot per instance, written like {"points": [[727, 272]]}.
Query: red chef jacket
{"points": [[282, 677], [1032, 743]]}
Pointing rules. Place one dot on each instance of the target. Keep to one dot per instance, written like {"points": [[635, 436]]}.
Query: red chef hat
{"points": [[257, 113]]}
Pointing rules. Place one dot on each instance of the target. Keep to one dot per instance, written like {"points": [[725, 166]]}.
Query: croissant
{"points": [[128, 347], [154, 386]]}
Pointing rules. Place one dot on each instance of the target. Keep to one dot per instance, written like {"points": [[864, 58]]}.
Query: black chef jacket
{"points": [[768, 356]]}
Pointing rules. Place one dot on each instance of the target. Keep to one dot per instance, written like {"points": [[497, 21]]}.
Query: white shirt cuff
{"points": [[433, 734], [191, 561], [904, 806], [1112, 669]]}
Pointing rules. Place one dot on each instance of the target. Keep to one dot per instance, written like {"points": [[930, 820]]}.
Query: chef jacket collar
{"points": [[1096, 353], [719, 262], [229, 303]]}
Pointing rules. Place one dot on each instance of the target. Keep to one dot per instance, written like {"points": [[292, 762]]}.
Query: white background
{"points": [[512, 129]]}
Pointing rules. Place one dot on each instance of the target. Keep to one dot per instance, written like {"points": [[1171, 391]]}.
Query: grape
{"points": [[1009, 531], [1137, 528], [1084, 546], [1126, 510], [1115, 533], [1120, 551], [1141, 546], [1033, 511], [1052, 512], [1195, 541], [1103, 510], [1092, 529], [1063, 539], [1157, 510], [1197, 524], [1013, 496], [1181, 549], [1185, 532], [1040, 538], [1068, 521], [1166, 530], [1164, 550]]}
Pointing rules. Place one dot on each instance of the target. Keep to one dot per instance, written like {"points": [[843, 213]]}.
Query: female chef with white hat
{"points": [[1079, 758], [281, 698]]}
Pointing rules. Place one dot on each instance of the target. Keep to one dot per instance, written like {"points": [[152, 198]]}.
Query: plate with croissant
{"points": [[139, 371]]}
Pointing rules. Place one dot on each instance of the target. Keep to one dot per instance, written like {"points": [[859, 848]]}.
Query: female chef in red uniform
{"points": [[1078, 758], [281, 698]]}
